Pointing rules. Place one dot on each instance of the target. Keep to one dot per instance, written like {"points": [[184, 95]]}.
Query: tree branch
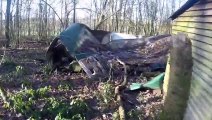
{"points": [[118, 95], [55, 13], [102, 21]]}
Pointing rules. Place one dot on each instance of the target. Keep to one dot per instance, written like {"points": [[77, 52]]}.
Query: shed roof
{"points": [[182, 9]]}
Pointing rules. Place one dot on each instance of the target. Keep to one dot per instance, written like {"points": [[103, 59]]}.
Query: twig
{"points": [[110, 71], [54, 12], [102, 21], [118, 94], [124, 83]]}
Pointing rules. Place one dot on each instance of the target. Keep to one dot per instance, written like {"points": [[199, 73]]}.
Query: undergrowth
{"points": [[106, 95], [37, 104], [47, 69], [13, 72], [6, 61]]}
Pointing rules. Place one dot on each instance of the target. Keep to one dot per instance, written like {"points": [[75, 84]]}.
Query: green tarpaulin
{"points": [[155, 83]]}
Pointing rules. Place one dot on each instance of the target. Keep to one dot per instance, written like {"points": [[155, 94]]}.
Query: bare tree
{"points": [[1, 13], [17, 22], [145, 17], [45, 20], [40, 30], [29, 2], [74, 14], [60, 18], [7, 26]]}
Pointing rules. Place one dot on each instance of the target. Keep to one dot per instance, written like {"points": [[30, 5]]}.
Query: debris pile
{"points": [[96, 50], [104, 54]]}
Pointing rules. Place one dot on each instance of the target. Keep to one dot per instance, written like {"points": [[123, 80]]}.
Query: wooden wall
{"points": [[197, 23]]}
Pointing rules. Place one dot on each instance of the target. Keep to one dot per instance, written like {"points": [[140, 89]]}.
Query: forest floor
{"points": [[34, 93]]}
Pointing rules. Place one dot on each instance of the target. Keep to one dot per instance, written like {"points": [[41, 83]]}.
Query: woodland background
{"points": [[44, 19]]}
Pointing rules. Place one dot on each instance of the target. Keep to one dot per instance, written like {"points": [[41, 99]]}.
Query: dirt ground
{"points": [[30, 57]]}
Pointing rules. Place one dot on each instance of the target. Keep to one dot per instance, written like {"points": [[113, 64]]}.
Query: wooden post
{"points": [[177, 79]]}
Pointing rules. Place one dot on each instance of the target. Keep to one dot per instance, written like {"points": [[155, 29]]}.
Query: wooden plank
{"points": [[202, 45], [194, 30], [201, 6], [205, 47], [207, 19], [194, 25], [202, 103], [202, 52], [200, 73], [194, 36], [202, 60], [174, 32], [206, 89], [202, 67], [195, 108], [199, 99], [195, 88], [190, 114], [207, 12]]}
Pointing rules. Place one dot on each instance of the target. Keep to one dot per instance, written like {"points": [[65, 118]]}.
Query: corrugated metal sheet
{"points": [[197, 23]]}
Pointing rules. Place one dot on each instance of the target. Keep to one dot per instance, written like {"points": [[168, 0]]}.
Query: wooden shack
{"points": [[194, 18]]}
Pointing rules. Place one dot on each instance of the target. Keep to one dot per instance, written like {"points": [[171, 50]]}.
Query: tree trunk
{"points": [[1, 28], [17, 23], [61, 13], [28, 17], [40, 30], [74, 15], [28, 22], [7, 27], [45, 26], [66, 19], [54, 24]]}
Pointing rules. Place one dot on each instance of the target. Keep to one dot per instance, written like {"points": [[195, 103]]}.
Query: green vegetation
{"points": [[106, 93], [46, 69], [19, 71], [26, 102], [11, 70], [65, 86], [134, 115], [29, 91], [7, 62]]}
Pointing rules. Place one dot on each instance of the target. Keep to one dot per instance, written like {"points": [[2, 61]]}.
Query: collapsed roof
{"points": [[95, 49]]}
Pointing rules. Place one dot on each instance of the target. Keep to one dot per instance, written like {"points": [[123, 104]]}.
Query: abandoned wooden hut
{"points": [[194, 18]]}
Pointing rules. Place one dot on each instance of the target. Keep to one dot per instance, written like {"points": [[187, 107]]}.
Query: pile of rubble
{"points": [[96, 50], [104, 54]]}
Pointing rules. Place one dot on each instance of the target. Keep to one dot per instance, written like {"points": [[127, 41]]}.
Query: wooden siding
{"points": [[196, 22]]}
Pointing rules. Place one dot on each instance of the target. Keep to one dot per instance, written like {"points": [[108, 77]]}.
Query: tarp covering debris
{"points": [[95, 50], [155, 83]]}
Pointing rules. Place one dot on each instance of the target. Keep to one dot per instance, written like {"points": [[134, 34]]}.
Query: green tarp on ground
{"points": [[155, 83]]}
